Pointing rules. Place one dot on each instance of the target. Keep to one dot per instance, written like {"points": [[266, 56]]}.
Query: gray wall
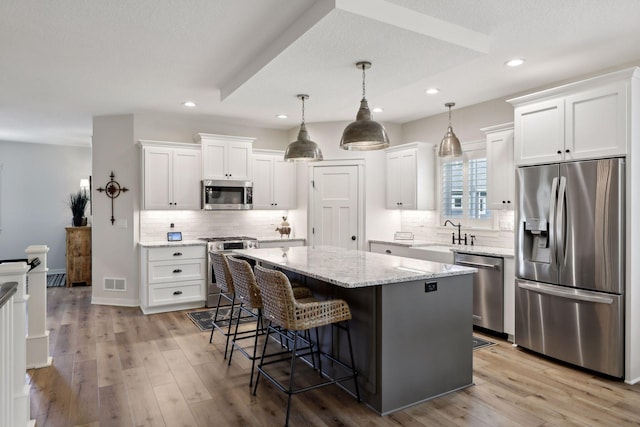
{"points": [[35, 183]]}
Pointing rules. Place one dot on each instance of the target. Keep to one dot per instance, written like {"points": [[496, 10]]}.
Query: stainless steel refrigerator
{"points": [[570, 262]]}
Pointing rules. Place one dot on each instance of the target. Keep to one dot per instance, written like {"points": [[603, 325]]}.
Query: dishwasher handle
{"points": [[478, 264]]}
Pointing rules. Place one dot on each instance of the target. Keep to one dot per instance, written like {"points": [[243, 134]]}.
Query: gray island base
{"points": [[412, 319]]}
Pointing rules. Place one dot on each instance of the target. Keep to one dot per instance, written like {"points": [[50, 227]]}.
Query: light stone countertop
{"points": [[165, 244], [278, 239], [352, 268], [467, 249]]}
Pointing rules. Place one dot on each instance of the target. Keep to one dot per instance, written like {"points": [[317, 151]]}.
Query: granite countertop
{"points": [[165, 244], [352, 268], [283, 239], [7, 290], [475, 249]]}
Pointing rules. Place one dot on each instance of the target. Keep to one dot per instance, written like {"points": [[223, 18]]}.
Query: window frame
{"points": [[470, 151]]}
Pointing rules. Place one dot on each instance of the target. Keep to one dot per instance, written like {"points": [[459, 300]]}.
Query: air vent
{"points": [[115, 284]]}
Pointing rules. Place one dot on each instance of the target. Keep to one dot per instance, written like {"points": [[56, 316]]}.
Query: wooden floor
{"points": [[113, 366]]}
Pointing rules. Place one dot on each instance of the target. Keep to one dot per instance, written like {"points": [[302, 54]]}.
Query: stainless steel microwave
{"points": [[226, 195]]}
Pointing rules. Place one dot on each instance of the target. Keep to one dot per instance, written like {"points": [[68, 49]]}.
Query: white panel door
{"points": [[239, 160], [335, 206], [213, 160], [284, 186], [539, 133], [262, 181]]}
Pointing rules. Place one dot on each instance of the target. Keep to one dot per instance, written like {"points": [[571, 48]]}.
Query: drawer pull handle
{"points": [[177, 270], [177, 293], [177, 254], [388, 251]]}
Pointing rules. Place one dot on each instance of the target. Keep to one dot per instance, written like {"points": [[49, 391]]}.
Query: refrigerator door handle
{"points": [[560, 226], [572, 294], [552, 221]]}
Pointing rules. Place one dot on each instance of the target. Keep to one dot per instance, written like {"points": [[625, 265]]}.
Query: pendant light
{"points": [[303, 149], [450, 144], [364, 133]]}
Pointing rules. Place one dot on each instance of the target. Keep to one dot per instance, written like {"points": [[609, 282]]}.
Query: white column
{"points": [[17, 272], [38, 334]]}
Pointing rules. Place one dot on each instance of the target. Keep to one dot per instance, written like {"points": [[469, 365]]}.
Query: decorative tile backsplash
{"points": [[426, 225], [154, 225]]}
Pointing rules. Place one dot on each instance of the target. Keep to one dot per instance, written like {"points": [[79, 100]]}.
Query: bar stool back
{"points": [[224, 281], [282, 309]]}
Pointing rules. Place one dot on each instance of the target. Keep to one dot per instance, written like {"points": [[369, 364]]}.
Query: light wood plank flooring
{"points": [[113, 366]]}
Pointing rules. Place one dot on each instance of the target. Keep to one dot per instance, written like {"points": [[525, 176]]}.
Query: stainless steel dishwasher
{"points": [[488, 290]]}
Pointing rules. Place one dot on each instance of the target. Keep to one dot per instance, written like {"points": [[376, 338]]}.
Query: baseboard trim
{"points": [[119, 302]]}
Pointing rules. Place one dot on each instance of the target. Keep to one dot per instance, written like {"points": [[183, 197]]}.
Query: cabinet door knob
{"points": [[567, 151], [504, 201], [177, 293], [177, 270], [559, 152], [177, 254], [353, 237], [388, 251]]}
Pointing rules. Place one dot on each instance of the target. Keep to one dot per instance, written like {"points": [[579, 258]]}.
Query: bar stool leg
{"points": [[233, 305], [353, 364], [289, 391], [259, 327], [235, 333], [319, 352], [264, 349], [215, 319]]}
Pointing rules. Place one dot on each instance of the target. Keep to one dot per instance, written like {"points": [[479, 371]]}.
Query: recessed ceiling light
{"points": [[189, 104], [282, 116], [515, 62], [432, 91], [377, 110]]}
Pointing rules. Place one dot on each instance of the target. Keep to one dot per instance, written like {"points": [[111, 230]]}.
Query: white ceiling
{"points": [[64, 61]]}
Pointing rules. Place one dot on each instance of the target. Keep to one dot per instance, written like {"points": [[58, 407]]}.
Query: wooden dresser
{"points": [[78, 255]]}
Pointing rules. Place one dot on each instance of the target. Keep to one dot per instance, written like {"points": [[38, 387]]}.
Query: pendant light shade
{"points": [[450, 144], [364, 134], [303, 149]]}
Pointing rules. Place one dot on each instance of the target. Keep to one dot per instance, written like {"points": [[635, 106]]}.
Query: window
{"points": [[463, 183]]}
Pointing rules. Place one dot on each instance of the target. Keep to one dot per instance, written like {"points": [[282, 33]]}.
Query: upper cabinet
{"points": [[583, 120], [274, 180], [501, 170], [171, 175], [225, 157], [410, 176]]}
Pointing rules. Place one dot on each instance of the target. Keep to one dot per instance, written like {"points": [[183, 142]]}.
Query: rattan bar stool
{"points": [[248, 294], [224, 281], [282, 310]]}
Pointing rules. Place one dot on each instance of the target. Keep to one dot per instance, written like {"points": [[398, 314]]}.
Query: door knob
{"points": [[353, 237]]}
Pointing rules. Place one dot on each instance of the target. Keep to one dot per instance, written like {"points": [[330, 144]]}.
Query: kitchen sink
{"points": [[436, 253]]}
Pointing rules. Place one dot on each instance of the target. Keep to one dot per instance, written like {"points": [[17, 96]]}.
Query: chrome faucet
{"points": [[455, 239]]}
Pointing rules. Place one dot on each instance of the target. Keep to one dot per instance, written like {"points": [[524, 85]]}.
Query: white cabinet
{"points": [[389, 249], [501, 170], [171, 175], [410, 176], [225, 157], [172, 278], [274, 180], [583, 120]]}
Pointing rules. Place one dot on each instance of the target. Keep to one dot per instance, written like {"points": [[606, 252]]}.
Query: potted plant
{"points": [[78, 204]]}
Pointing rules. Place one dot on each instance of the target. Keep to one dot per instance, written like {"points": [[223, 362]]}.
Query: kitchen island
{"points": [[412, 319]]}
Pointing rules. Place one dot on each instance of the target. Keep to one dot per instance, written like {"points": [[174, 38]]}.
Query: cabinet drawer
{"points": [[176, 253], [396, 250], [175, 293], [172, 271]]}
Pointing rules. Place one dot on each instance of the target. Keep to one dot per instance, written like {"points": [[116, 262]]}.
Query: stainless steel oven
{"points": [[224, 245]]}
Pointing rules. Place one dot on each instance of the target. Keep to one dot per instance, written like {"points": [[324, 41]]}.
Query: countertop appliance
{"points": [[224, 245], [226, 195], [488, 289], [570, 262]]}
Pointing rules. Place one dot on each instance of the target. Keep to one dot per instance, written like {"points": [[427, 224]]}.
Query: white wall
{"points": [[35, 183]]}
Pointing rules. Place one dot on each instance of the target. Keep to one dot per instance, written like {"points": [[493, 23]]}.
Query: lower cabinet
{"points": [[172, 278], [78, 255]]}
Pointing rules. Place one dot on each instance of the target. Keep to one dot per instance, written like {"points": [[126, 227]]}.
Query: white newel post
{"points": [[18, 410], [38, 334]]}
